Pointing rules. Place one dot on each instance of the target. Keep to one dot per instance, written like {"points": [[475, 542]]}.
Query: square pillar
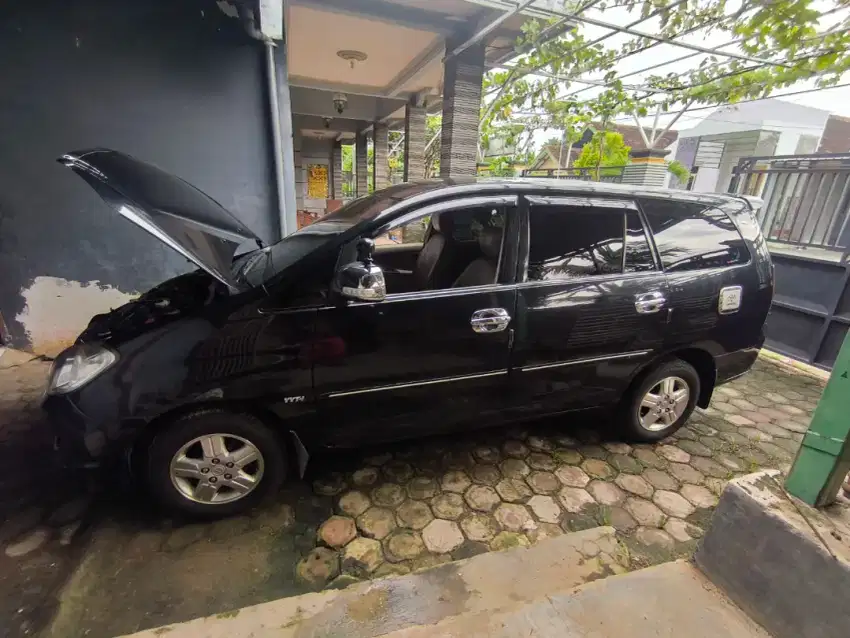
{"points": [[360, 166], [380, 152], [414, 142], [461, 110], [336, 171], [647, 168]]}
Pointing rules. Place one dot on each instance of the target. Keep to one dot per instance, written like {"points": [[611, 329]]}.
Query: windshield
{"points": [[259, 266]]}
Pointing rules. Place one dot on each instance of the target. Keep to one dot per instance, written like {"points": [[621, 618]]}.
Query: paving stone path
{"points": [[418, 505]]}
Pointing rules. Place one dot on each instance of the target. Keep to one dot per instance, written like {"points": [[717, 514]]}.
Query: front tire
{"points": [[661, 402], [214, 463]]}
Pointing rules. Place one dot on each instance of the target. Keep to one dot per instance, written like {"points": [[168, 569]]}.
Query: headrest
{"points": [[490, 242], [442, 223]]}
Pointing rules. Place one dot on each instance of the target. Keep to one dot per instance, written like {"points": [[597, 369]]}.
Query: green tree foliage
{"points": [[788, 41], [605, 149], [679, 170]]}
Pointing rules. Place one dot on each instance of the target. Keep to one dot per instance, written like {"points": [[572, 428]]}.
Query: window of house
{"points": [[692, 236], [568, 242]]}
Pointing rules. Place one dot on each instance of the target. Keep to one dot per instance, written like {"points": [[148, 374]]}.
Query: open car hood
{"points": [[174, 211]]}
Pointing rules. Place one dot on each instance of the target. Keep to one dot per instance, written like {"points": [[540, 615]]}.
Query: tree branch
{"points": [[640, 128]]}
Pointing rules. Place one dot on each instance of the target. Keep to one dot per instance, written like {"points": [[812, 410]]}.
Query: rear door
{"points": [[591, 302]]}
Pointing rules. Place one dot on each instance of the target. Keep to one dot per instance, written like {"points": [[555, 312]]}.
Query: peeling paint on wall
{"points": [[57, 310]]}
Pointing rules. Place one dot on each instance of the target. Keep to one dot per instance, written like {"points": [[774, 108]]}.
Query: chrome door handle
{"points": [[649, 303], [490, 320]]}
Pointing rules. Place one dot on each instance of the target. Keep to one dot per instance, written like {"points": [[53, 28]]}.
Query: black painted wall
{"points": [[174, 82]]}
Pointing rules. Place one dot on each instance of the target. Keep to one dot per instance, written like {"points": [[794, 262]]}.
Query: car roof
{"points": [[422, 191]]}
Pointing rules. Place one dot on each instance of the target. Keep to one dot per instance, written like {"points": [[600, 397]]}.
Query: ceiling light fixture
{"points": [[352, 56]]}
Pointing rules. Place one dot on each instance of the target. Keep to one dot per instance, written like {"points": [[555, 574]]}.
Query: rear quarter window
{"points": [[692, 236]]}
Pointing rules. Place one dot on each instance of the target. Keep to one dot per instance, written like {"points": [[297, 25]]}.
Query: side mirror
{"points": [[362, 280]]}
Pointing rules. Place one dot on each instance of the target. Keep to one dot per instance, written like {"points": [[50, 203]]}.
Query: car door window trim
{"points": [[413, 384], [574, 362]]}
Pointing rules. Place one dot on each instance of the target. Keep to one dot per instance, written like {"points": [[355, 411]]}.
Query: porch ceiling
{"points": [[403, 39]]}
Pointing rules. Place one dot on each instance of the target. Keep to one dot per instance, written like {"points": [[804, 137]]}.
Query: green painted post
{"points": [[824, 456]]}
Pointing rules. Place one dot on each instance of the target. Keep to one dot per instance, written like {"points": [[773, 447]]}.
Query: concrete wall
{"points": [[775, 115], [175, 83]]}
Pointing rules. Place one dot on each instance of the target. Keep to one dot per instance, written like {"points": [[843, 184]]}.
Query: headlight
{"points": [[77, 366]]}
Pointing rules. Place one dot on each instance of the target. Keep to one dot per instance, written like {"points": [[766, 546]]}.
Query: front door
{"points": [[592, 303], [424, 361]]}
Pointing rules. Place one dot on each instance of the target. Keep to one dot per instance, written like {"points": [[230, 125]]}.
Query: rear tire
{"points": [[214, 463], [660, 402]]}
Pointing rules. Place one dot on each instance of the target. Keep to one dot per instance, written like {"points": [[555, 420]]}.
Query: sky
{"points": [[835, 100]]}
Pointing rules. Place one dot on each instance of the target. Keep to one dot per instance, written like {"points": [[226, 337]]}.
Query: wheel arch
{"points": [[289, 439], [701, 360]]}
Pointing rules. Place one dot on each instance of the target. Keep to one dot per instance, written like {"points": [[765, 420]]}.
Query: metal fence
{"points": [[805, 197], [805, 221], [612, 174]]}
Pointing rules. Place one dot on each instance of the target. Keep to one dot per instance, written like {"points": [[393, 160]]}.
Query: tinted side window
{"points": [[638, 253], [691, 236], [568, 242]]}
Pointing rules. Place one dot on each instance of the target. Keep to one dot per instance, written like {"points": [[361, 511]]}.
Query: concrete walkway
{"points": [[513, 593]]}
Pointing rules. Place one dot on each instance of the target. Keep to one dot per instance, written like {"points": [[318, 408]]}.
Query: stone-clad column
{"points": [[380, 168], [414, 142], [461, 109], [360, 169], [336, 171], [647, 168]]}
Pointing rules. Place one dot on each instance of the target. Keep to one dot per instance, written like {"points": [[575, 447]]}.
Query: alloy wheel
{"points": [[217, 468], [663, 404]]}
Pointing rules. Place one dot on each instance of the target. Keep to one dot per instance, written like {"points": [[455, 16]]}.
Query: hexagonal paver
{"points": [[575, 499], [485, 474], [362, 556], [337, 531], [673, 453], [685, 473], [672, 504], [649, 458], [354, 503], [644, 512], [540, 444], [567, 456], [565, 440], [515, 449], [365, 476], [543, 482], [414, 514], [636, 485], [617, 447], [678, 530], [513, 517], [606, 493], [376, 522], [509, 540], [388, 495], [403, 545], [598, 469], [621, 520], [398, 471], [455, 481], [660, 480], [544, 531], [625, 463], [449, 506], [513, 490], [514, 468], [739, 419], [318, 568], [694, 448], [572, 476], [442, 536], [487, 454], [656, 537], [482, 498], [709, 468], [594, 452], [422, 487], [698, 496], [773, 397], [541, 461], [479, 527], [329, 485], [545, 508]]}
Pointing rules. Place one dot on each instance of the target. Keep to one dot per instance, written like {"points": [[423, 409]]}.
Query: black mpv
{"points": [[426, 307]]}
